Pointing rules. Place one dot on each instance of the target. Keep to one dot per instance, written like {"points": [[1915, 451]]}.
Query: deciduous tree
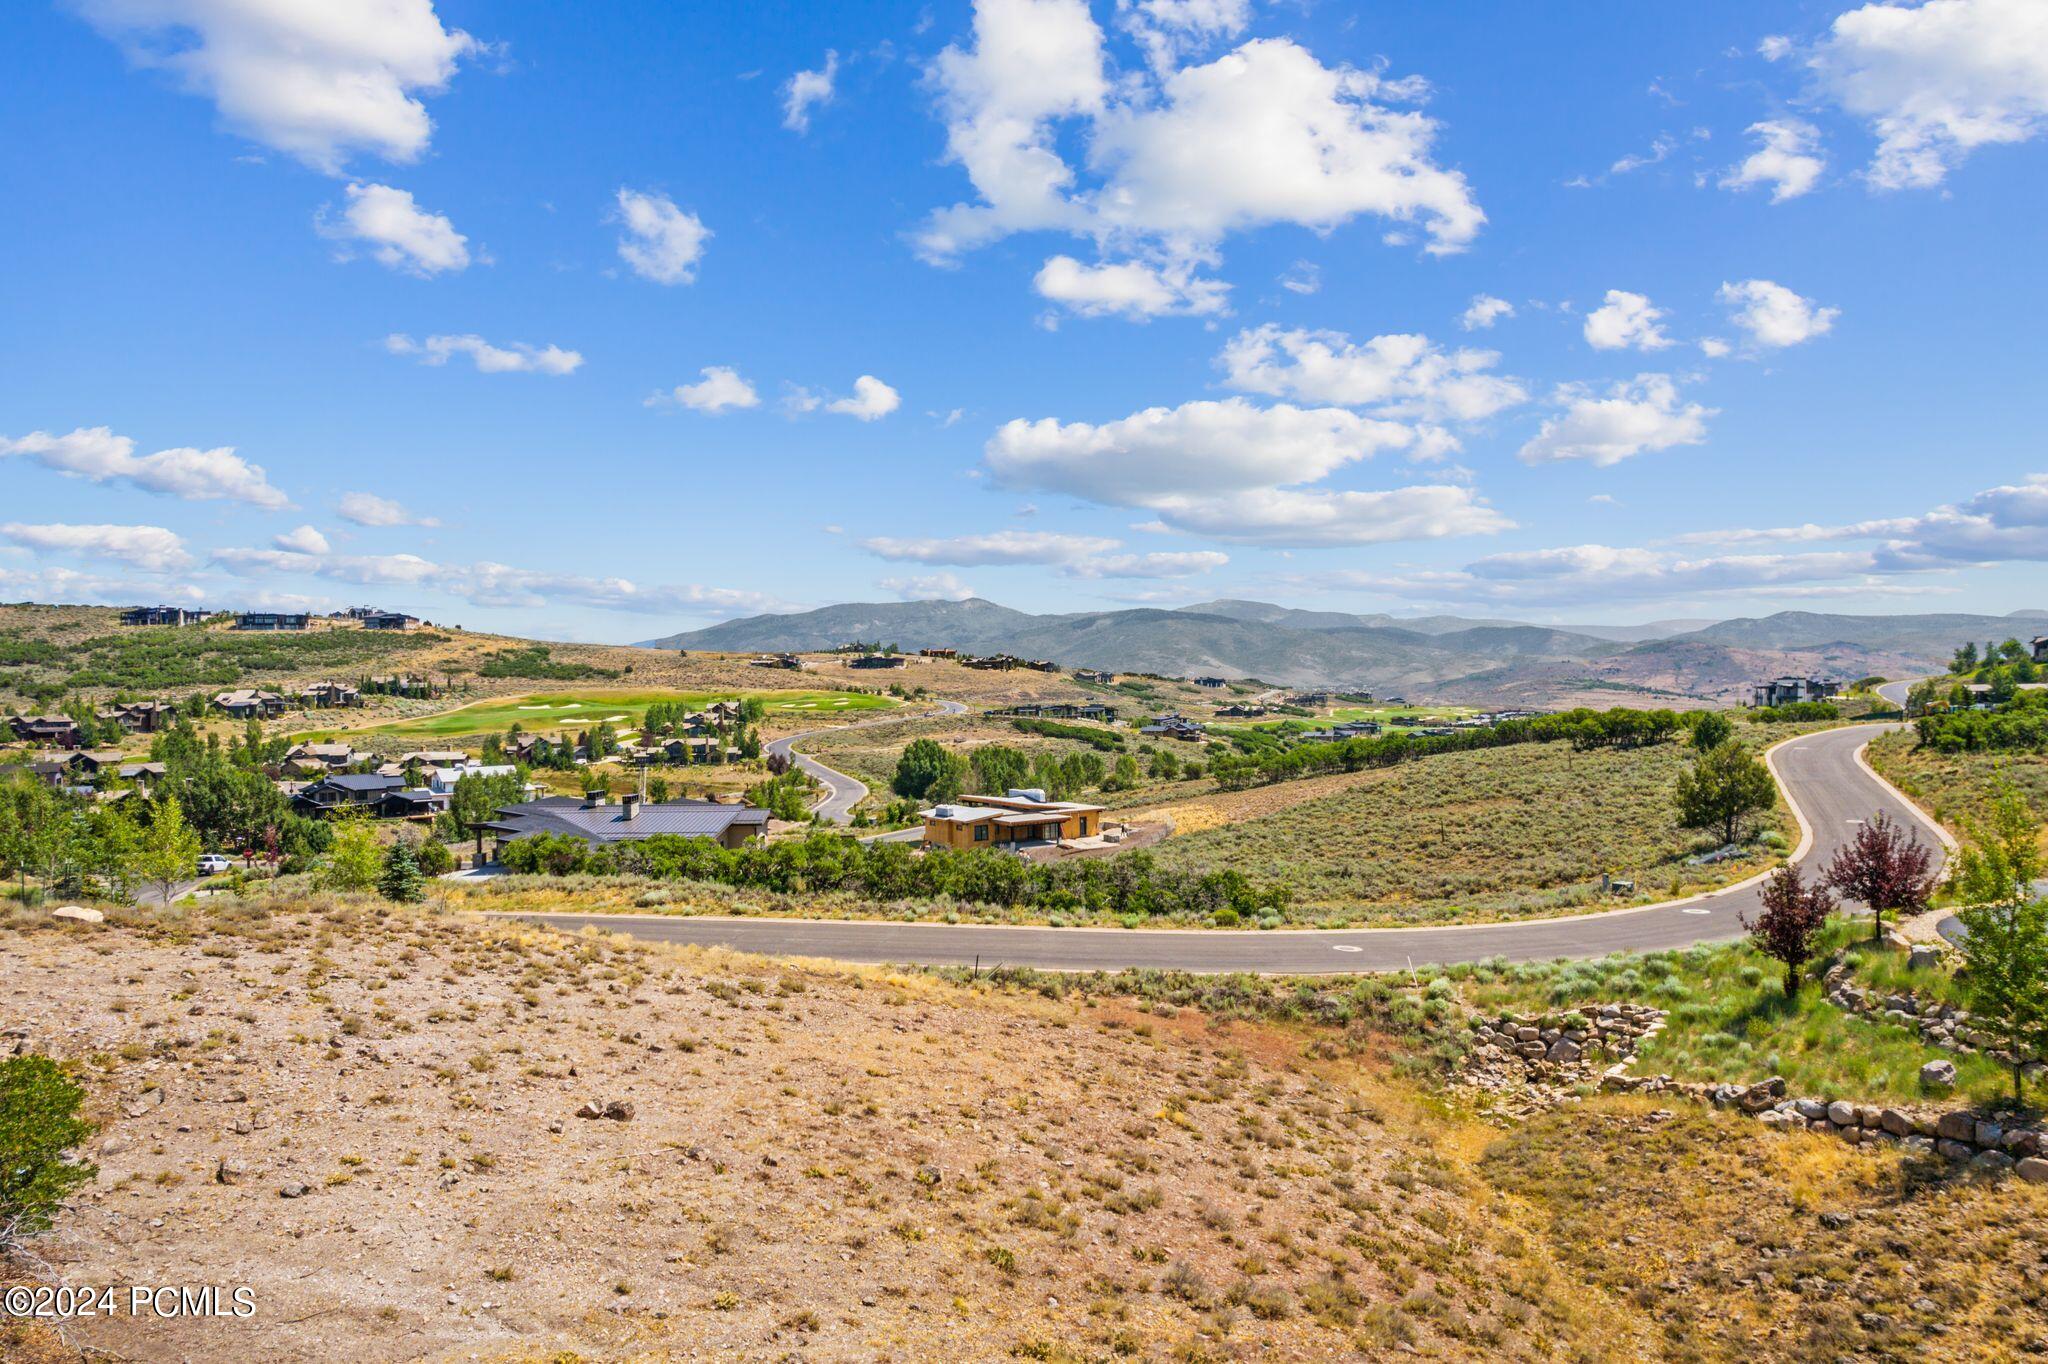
{"points": [[1886, 868], [1792, 915], [2005, 952], [168, 850], [1723, 788]]}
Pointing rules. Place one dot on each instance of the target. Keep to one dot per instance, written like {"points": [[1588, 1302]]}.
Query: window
{"points": [[981, 833]]}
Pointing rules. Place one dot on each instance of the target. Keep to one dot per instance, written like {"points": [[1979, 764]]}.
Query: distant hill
{"points": [[1932, 636]]}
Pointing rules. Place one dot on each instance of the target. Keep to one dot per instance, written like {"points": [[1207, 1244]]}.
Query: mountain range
{"points": [[1447, 658]]}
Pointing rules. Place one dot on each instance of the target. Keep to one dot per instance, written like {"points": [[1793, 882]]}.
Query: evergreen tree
{"points": [[1711, 730], [401, 881], [1724, 786]]}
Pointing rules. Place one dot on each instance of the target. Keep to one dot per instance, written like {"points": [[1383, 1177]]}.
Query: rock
{"points": [[1923, 955], [78, 914], [1938, 1075], [234, 1096], [618, 1110], [1842, 1114], [230, 1171], [1895, 1122], [1957, 1127], [1813, 1110], [2033, 1169], [1565, 1050], [1834, 1221], [1954, 1150], [1994, 1162], [1989, 1134], [928, 1175], [590, 1109], [293, 1191]]}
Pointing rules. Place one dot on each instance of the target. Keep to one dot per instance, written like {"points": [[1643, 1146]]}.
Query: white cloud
{"points": [[1264, 134], [1713, 347], [151, 548], [1196, 449], [662, 243], [996, 547], [1937, 80], [398, 232], [1396, 375], [304, 540], [315, 81], [368, 509], [1774, 47], [928, 587], [806, 89], [1302, 277], [515, 358], [1660, 147], [1787, 159], [871, 400], [1318, 517], [1640, 415], [1485, 310], [96, 453], [720, 390], [2008, 523], [1773, 315], [1625, 320], [1160, 564], [1130, 289], [1168, 30]]}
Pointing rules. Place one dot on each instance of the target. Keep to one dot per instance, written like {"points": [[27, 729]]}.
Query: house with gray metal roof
{"points": [[596, 820]]}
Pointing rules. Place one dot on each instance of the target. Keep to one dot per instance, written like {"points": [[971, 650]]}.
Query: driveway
{"points": [[1831, 791], [842, 792]]}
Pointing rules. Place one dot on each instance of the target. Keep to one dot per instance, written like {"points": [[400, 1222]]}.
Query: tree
{"points": [[1710, 731], [1792, 915], [1886, 868], [1125, 775], [168, 851], [1724, 786], [2005, 952], [929, 771], [353, 862], [999, 768], [1965, 661], [401, 881], [39, 1122]]}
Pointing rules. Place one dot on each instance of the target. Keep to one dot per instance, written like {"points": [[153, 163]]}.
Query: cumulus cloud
{"points": [[806, 89], [662, 243], [1485, 310], [513, 358], [1199, 448], [1396, 375], [151, 548], [928, 587], [1131, 289], [1642, 414], [368, 509], [1160, 564], [317, 82], [1937, 81], [871, 400], [396, 231], [1626, 321], [996, 547], [2008, 523], [1177, 161], [1773, 315], [720, 390], [97, 454], [1322, 517], [1787, 159], [304, 540]]}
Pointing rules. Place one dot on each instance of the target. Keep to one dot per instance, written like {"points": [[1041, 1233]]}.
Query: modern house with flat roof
{"points": [[2040, 648], [597, 821], [273, 620], [159, 615], [1785, 691], [1021, 817], [389, 620]]}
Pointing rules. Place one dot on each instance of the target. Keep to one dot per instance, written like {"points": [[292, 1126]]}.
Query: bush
{"points": [[39, 1122], [435, 858], [1796, 712]]}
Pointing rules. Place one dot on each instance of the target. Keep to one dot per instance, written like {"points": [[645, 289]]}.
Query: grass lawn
{"points": [[543, 711], [1493, 833], [1729, 1018]]}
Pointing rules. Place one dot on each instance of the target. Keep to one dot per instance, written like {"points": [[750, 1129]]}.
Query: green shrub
{"points": [[39, 1122]]}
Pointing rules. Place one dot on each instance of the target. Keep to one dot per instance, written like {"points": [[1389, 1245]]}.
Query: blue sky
{"points": [[596, 322]]}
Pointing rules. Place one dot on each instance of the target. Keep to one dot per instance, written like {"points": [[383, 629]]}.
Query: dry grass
{"points": [[1957, 787]]}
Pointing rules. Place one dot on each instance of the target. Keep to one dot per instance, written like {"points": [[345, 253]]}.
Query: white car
{"points": [[213, 864]]}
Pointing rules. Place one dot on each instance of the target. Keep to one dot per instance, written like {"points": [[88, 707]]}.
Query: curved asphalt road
{"points": [[842, 792], [1820, 773]]}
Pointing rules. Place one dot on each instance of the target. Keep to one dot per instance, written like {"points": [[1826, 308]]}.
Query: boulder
{"points": [[1957, 1127], [1989, 1134], [2033, 1169], [1938, 1075], [1813, 1110], [1992, 1162], [1957, 1151], [1895, 1122], [78, 914], [230, 1171], [619, 1110], [1924, 955], [1565, 1050], [293, 1191], [1842, 1113]]}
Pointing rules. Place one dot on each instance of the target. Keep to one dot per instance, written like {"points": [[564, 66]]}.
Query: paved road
{"points": [[1827, 785], [1895, 692], [842, 792]]}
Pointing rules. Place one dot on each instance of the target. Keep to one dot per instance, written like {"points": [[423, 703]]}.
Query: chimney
{"points": [[629, 805], [593, 798]]}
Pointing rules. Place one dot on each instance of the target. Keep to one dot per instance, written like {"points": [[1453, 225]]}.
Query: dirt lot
{"points": [[820, 1164]]}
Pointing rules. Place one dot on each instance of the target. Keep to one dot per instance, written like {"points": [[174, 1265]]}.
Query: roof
{"points": [[962, 814], [362, 781], [608, 823]]}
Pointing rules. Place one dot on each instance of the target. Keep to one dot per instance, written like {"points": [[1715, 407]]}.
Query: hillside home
{"points": [[159, 615], [938, 653], [389, 620], [1785, 691], [878, 661], [789, 661], [441, 780], [357, 792], [273, 620], [2040, 648], [87, 764], [333, 756], [1173, 727], [1241, 711], [247, 703], [1309, 700], [51, 731], [323, 695], [1057, 710], [597, 821], [144, 775], [141, 717], [1211, 682], [1100, 677], [1021, 817]]}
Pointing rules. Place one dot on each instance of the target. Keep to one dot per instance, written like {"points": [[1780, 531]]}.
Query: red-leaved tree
{"points": [[1792, 915], [1886, 868]]}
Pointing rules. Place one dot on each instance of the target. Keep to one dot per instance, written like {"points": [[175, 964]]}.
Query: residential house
{"points": [[1020, 817], [990, 663], [141, 717], [2039, 645], [402, 684], [1173, 726], [159, 615], [247, 703], [144, 775], [52, 731], [1210, 682], [273, 620], [413, 802], [938, 653], [1309, 700], [342, 793], [88, 764], [1785, 691], [789, 661], [878, 661], [1100, 677], [1241, 711], [441, 780], [389, 620], [1057, 710], [597, 821], [333, 757], [324, 695]]}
